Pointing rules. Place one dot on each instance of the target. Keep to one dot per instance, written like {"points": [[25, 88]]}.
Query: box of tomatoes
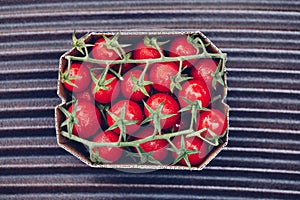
{"points": [[143, 100]]}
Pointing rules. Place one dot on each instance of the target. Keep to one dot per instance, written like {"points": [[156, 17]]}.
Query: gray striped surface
{"points": [[262, 40]]}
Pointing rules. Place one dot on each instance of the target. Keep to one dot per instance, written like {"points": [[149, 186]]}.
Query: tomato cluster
{"points": [[153, 96]]}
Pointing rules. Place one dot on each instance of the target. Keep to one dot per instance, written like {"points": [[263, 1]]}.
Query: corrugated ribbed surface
{"points": [[261, 160]]}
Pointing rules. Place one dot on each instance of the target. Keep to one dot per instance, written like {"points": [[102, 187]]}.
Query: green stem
{"points": [[139, 152], [117, 74], [141, 79], [149, 61], [180, 65], [194, 110], [134, 143], [86, 51], [172, 144], [202, 45], [102, 79], [159, 49]]}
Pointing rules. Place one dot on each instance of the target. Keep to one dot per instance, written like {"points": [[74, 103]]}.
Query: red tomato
{"points": [[132, 112], [202, 71], [83, 78], [108, 94], [214, 119], [101, 52], [160, 74], [181, 47], [194, 90], [88, 119], [192, 143], [144, 52], [111, 154], [170, 107], [158, 147], [84, 96], [127, 86]]}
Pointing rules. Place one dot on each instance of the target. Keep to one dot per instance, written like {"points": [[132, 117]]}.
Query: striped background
{"points": [[262, 39]]}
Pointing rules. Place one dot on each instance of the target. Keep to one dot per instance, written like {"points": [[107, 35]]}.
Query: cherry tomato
{"points": [[160, 74], [203, 70], [106, 94], [214, 119], [132, 112], [111, 154], [101, 52], [192, 143], [194, 90], [144, 52], [181, 47], [170, 106], [83, 78], [158, 147], [127, 86], [88, 119]]}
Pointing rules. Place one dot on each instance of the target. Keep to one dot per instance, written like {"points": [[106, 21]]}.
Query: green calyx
{"points": [[194, 107], [66, 77], [80, 44], [218, 75], [182, 152], [71, 118], [96, 158], [152, 42], [176, 81], [156, 116], [101, 83], [139, 84], [146, 157], [178, 78], [114, 45], [121, 123], [197, 44], [211, 138]]}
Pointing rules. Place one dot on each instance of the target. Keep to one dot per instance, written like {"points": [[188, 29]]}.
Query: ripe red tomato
{"points": [[170, 107], [203, 70], [194, 90], [111, 154], [108, 94], [160, 74], [158, 147], [192, 143], [127, 86], [101, 52], [132, 112], [181, 47], [82, 81], [144, 52], [214, 119], [88, 119]]}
